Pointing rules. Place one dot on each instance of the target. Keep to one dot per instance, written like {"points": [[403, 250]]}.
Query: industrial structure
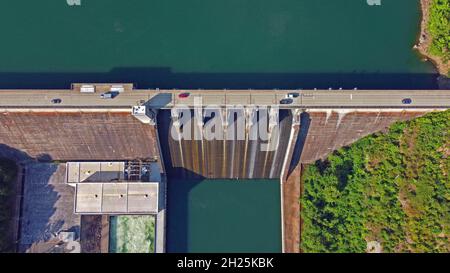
{"points": [[121, 188], [84, 124]]}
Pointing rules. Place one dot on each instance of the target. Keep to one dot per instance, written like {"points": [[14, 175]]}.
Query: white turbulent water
{"points": [[132, 234]]}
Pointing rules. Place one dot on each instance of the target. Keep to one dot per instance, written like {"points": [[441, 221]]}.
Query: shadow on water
{"points": [[164, 77], [180, 182], [178, 214], [186, 201], [38, 198]]}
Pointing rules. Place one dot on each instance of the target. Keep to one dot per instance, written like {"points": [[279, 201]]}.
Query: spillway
{"points": [[241, 154]]}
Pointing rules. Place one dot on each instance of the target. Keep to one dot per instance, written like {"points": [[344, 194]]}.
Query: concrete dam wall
{"points": [[120, 136], [330, 130], [76, 136], [244, 156]]}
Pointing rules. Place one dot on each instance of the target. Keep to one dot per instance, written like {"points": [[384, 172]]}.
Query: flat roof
{"points": [[116, 198], [78, 172]]}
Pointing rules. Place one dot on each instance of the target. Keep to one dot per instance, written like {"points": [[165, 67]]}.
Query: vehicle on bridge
{"points": [[407, 101], [286, 101], [109, 95], [184, 95], [293, 95]]}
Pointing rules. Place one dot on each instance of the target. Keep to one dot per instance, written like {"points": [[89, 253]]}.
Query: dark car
{"points": [[109, 95], [286, 101], [183, 95], [407, 101], [56, 101]]}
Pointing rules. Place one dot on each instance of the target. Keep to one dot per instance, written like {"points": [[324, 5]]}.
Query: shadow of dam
{"points": [[165, 78]]}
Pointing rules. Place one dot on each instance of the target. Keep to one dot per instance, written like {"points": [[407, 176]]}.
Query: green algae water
{"points": [[132, 234], [212, 44], [224, 216]]}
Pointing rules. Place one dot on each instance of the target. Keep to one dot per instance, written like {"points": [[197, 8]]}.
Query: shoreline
{"points": [[424, 42]]}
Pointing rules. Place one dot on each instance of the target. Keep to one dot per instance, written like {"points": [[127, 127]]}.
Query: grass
{"points": [[8, 174], [392, 188]]}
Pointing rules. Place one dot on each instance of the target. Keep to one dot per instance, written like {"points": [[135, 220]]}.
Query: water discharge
{"points": [[132, 234]]}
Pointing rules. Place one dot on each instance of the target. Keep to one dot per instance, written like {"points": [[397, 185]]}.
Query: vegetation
{"points": [[391, 188], [439, 28], [8, 173]]}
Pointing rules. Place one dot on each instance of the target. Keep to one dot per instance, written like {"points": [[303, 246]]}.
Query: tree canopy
{"points": [[391, 188], [439, 28]]}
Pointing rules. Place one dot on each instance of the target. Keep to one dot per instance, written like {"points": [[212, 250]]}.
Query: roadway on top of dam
{"points": [[165, 99]]}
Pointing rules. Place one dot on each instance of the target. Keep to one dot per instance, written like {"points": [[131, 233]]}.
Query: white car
{"points": [[292, 95], [107, 95]]}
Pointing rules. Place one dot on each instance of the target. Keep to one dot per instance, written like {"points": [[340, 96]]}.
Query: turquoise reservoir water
{"points": [[224, 216], [215, 43]]}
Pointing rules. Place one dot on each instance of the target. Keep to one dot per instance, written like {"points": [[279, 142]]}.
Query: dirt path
{"points": [[291, 200], [292, 211]]}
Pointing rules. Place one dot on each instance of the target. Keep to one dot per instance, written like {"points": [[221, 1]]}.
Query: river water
{"points": [[224, 216]]}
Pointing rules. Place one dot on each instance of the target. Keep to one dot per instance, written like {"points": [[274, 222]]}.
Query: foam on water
{"points": [[132, 234]]}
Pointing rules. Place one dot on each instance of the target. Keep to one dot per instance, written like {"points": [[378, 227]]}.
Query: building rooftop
{"points": [[78, 172], [129, 187], [116, 198]]}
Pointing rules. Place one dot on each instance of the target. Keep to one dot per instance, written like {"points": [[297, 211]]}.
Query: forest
{"points": [[439, 28], [391, 188]]}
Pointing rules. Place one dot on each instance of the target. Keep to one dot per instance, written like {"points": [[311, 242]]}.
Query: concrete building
{"points": [[118, 188], [114, 187]]}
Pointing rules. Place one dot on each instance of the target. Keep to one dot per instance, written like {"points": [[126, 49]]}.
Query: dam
{"points": [[226, 156], [147, 125], [286, 44]]}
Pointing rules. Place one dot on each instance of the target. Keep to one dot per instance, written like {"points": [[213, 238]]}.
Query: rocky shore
{"points": [[425, 42]]}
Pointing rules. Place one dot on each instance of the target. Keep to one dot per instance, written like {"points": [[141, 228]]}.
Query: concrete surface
{"points": [[47, 207], [116, 198], [78, 136], [222, 158], [169, 98], [329, 131]]}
